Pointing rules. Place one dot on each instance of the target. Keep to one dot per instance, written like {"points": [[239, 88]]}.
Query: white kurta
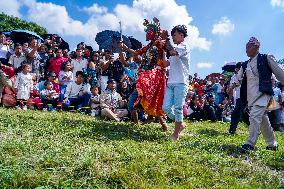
{"points": [[24, 85]]}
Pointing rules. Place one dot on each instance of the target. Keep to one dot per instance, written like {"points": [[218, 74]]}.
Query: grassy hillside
{"points": [[68, 150]]}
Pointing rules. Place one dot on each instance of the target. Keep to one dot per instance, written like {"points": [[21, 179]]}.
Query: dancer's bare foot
{"points": [[178, 129]]}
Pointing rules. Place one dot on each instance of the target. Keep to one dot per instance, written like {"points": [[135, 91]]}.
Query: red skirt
{"points": [[151, 90]]}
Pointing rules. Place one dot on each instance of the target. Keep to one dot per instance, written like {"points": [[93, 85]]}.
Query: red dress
{"points": [[151, 86]]}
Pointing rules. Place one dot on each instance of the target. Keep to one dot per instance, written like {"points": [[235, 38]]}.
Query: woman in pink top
{"points": [[55, 63]]}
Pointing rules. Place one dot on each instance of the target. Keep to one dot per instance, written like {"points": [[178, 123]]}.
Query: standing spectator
{"points": [[78, 63], [105, 63], [275, 115], [239, 100], [24, 86], [91, 73], [4, 49], [18, 58], [44, 57], [33, 56], [56, 63]]}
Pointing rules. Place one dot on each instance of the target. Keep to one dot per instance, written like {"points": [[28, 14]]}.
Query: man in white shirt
{"points": [[177, 84], [77, 93], [4, 49], [79, 62], [258, 73], [17, 58]]}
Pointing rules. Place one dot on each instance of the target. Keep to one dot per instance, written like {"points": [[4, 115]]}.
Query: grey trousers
{"points": [[259, 123]]}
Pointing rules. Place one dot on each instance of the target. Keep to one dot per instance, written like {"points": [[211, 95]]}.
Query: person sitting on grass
{"points": [[95, 101], [49, 97], [111, 101], [77, 93]]}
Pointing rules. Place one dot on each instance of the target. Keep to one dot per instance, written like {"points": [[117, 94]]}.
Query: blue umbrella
{"points": [[22, 36], [109, 39]]}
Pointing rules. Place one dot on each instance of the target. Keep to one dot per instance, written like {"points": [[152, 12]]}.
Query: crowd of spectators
{"points": [[43, 76]]}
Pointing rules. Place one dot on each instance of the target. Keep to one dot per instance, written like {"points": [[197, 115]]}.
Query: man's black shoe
{"points": [[246, 148], [272, 148]]}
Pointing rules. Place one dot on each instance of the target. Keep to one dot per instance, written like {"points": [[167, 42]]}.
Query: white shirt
{"points": [[4, 49], [179, 65], [16, 61], [24, 85], [78, 65], [74, 90]]}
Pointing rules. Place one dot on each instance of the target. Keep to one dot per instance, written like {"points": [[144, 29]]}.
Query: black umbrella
{"points": [[109, 40], [135, 44], [23, 36]]}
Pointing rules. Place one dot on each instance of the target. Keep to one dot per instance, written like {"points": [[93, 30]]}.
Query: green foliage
{"points": [[9, 23], [68, 150]]}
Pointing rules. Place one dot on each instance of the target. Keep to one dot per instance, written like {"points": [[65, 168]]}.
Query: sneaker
{"points": [[25, 107], [18, 108], [272, 148], [246, 148], [44, 109]]}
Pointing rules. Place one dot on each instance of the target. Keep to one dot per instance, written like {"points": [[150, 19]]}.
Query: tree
{"points": [[9, 23]]}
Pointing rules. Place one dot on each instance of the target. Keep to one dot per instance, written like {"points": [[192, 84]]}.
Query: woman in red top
{"points": [[55, 63]]}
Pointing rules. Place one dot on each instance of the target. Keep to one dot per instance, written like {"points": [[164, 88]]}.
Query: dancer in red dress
{"points": [[151, 81]]}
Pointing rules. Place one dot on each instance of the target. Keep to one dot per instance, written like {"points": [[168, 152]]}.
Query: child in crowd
{"points": [[49, 97], [65, 76], [24, 86], [95, 101]]}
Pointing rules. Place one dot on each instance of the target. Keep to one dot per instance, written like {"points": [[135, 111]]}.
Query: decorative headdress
{"points": [[152, 29]]}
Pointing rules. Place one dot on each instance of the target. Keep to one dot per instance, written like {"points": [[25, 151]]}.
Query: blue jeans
{"points": [[82, 101], [175, 97]]}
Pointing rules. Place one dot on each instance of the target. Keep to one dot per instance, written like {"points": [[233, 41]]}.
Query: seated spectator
{"points": [[210, 108], [227, 110], [18, 58], [111, 101], [77, 93], [65, 76], [9, 92], [95, 101], [124, 89], [51, 76], [49, 97]]}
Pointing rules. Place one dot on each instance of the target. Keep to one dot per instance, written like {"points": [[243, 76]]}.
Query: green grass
{"points": [[68, 150]]}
